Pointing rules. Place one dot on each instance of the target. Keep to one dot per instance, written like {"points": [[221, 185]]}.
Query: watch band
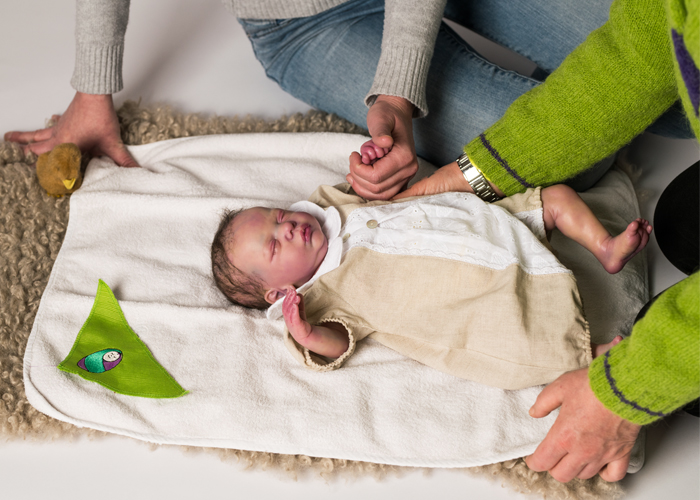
{"points": [[476, 180]]}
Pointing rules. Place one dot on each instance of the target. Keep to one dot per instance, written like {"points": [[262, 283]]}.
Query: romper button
{"points": [[372, 224], [346, 237]]}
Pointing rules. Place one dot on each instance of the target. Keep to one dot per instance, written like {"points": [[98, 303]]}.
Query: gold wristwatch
{"points": [[476, 180]]}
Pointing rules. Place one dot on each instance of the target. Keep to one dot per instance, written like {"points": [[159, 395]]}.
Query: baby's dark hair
{"points": [[239, 287]]}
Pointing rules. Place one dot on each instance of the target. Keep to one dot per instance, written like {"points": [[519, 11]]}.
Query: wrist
{"points": [[479, 184], [404, 105], [92, 97], [456, 178]]}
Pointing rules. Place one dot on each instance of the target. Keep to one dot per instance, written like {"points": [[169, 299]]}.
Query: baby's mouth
{"points": [[305, 233]]}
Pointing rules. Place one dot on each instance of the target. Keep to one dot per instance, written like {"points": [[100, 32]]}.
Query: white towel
{"points": [[147, 232]]}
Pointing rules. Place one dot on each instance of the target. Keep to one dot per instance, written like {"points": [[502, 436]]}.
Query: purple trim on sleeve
{"points": [[621, 396], [689, 71], [503, 163]]}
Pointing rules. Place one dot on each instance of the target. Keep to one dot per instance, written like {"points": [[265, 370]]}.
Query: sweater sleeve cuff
{"points": [[402, 72], [98, 69], [657, 369], [605, 386], [495, 167]]}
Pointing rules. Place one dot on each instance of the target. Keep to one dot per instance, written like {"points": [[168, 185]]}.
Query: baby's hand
{"points": [[295, 316], [370, 152]]}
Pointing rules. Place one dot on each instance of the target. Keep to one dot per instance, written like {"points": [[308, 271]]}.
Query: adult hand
{"points": [[389, 122], [445, 179], [586, 437], [90, 122]]}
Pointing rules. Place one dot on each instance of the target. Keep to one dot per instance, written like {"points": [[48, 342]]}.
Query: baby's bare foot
{"points": [[600, 349], [620, 249]]}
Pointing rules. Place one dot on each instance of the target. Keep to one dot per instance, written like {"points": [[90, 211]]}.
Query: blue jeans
{"points": [[329, 60]]}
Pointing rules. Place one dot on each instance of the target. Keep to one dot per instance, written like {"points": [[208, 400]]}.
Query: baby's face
{"points": [[282, 248]]}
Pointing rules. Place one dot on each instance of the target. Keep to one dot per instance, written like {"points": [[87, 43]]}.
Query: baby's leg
{"points": [[599, 349], [565, 210], [370, 152]]}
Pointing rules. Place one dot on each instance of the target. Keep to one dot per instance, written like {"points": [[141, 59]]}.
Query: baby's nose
{"points": [[289, 227]]}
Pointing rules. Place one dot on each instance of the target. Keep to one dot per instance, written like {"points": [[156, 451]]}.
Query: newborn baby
{"points": [[455, 283]]}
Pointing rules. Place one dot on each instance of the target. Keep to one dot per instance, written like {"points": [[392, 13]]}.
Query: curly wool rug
{"points": [[32, 227]]}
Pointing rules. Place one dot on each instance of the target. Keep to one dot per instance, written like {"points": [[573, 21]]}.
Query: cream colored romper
{"points": [[460, 285]]}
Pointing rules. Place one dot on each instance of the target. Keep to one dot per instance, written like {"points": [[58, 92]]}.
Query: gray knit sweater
{"points": [[410, 29]]}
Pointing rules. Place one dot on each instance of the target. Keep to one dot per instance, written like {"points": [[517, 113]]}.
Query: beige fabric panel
{"points": [[506, 328]]}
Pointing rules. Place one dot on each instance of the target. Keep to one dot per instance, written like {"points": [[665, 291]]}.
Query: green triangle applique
{"points": [[107, 351]]}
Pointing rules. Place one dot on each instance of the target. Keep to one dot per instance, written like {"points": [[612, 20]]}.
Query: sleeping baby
{"points": [[467, 287]]}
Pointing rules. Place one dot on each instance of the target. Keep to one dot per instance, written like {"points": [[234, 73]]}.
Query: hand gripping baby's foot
{"points": [[626, 245], [370, 152]]}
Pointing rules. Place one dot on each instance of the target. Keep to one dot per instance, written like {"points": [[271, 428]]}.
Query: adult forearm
{"points": [[657, 369], [410, 30], [605, 92]]}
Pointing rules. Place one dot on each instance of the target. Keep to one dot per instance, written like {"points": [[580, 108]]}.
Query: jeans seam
{"points": [[275, 25], [504, 43], [462, 45]]}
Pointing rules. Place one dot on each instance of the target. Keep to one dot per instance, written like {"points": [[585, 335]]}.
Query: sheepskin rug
{"points": [[32, 227]]}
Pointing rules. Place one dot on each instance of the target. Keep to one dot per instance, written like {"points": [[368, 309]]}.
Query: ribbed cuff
{"points": [[279, 9], [608, 388], [402, 72], [317, 363], [98, 69], [494, 166]]}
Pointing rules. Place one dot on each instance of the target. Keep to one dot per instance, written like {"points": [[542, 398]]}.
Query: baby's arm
{"points": [[330, 340], [370, 152]]}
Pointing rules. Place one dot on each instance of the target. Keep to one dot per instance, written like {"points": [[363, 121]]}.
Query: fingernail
{"points": [[531, 411]]}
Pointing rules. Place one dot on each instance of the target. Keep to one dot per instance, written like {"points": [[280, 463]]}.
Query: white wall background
{"points": [[195, 56]]}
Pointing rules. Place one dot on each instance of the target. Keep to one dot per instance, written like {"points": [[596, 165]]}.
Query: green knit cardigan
{"points": [[607, 91]]}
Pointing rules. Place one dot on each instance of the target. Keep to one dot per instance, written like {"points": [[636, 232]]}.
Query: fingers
{"points": [[418, 189], [590, 470], [302, 309], [29, 137], [547, 401], [37, 141], [384, 191], [567, 469], [381, 180], [380, 126], [389, 118], [370, 152], [547, 455], [289, 307], [615, 470], [120, 155], [39, 148]]}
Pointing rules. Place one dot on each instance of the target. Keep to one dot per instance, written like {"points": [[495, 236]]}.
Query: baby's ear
{"points": [[273, 295]]}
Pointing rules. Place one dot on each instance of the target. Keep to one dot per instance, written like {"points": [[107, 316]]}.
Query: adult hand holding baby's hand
{"points": [[90, 122], [389, 122], [295, 316]]}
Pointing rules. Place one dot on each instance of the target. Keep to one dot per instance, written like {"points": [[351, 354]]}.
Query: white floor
{"points": [[195, 56]]}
